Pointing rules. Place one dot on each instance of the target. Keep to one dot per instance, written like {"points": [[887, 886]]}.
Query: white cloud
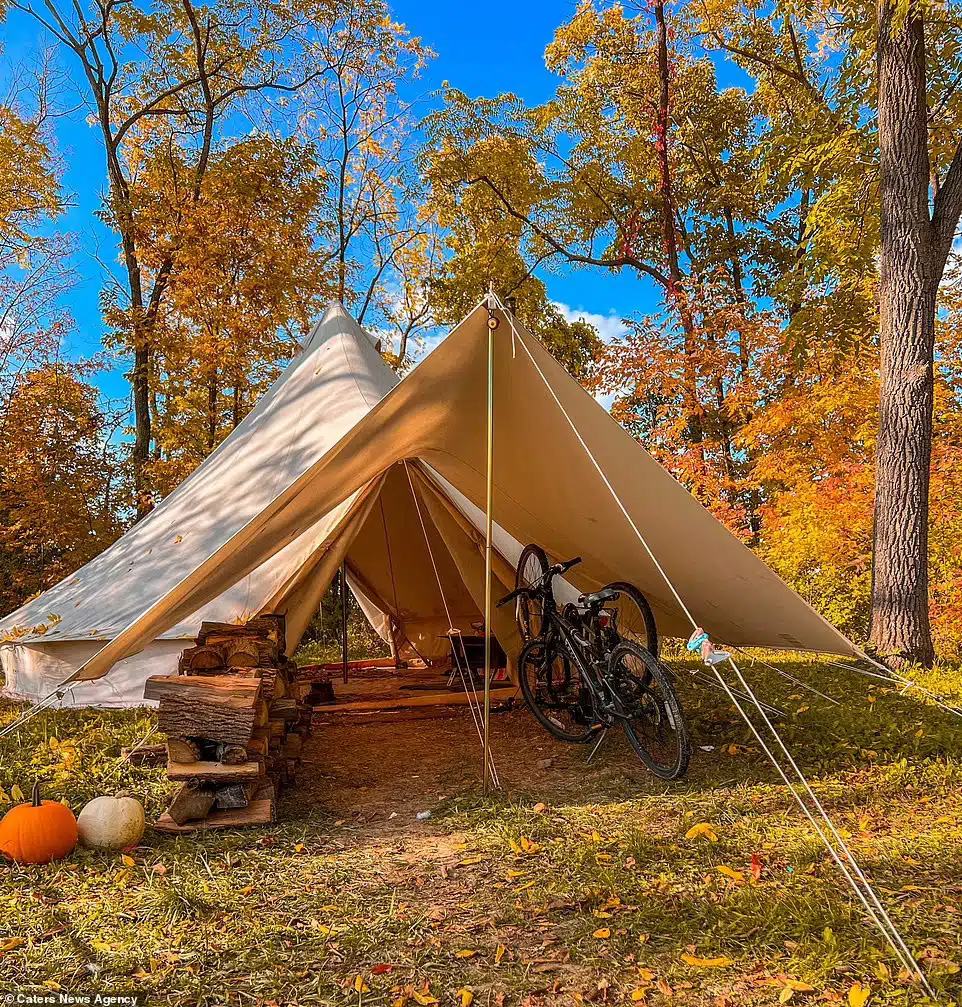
{"points": [[609, 326]]}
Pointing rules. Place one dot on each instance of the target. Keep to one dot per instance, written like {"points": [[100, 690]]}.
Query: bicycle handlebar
{"points": [[553, 571]]}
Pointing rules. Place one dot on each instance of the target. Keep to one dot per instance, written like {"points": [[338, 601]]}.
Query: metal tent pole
{"points": [[492, 325], [344, 618]]}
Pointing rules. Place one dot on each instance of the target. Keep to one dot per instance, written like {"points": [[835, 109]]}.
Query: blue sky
{"points": [[481, 49]]}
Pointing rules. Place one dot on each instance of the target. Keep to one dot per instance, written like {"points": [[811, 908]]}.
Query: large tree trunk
{"points": [[909, 282]]}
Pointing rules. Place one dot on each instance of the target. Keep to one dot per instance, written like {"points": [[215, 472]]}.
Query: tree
{"points": [[249, 279], [61, 482], [173, 69]]}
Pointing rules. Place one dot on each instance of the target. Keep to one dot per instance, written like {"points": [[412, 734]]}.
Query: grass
{"points": [[549, 894]]}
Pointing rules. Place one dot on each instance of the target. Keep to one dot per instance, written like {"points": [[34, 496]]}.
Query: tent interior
{"points": [[415, 562]]}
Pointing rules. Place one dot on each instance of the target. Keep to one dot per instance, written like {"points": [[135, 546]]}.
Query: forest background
{"points": [[734, 222]]}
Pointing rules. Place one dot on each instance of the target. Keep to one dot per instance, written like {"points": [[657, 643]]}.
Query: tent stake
{"points": [[492, 325], [344, 617]]}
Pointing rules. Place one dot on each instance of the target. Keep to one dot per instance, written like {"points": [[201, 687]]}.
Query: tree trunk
{"points": [[909, 278]]}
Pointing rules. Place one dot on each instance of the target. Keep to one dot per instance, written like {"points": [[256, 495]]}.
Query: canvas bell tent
{"points": [[338, 376], [394, 480]]}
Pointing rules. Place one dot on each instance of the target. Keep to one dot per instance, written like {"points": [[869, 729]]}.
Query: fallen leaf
{"points": [[466, 997], [12, 942], [702, 829], [603, 934], [16, 794], [465, 953], [499, 954], [639, 994], [859, 995], [128, 861], [730, 873], [360, 985], [706, 963]]}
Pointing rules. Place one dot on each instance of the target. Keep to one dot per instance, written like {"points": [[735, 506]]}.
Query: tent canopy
{"points": [[563, 470]]}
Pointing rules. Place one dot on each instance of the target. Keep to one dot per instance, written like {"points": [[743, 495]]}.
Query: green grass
{"points": [[546, 894]]}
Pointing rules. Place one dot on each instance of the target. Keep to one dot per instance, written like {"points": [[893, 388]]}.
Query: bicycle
{"points": [[580, 676]]}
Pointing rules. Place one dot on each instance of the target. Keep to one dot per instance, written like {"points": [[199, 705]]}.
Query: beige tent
{"points": [[565, 475]]}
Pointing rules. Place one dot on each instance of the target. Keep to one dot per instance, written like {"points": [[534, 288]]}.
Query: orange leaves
{"points": [[704, 830]]}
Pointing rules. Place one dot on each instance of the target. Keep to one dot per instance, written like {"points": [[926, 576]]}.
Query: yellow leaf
{"points": [[499, 954], [859, 995], [528, 846], [466, 953], [637, 995], [17, 794], [883, 971], [515, 874], [127, 861], [52, 984], [702, 829], [729, 873], [100, 945], [603, 934], [647, 975], [470, 861], [423, 997], [12, 942], [360, 985], [786, 995], [540, 808], [706, 963], [466, 997]]}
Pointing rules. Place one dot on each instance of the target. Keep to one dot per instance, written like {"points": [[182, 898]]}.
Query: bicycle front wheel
{"points": [[654, 723], [555, 694], [532, 566]]}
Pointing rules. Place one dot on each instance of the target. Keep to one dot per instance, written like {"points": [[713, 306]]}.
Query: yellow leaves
{"points": [[702, 830], [602, 934], [465, 953], [465, 997], [639, 994], [360, 986], [16, 793], [127, 861], [858, 995], [529, 847], [499, 954], [706, 963], [786, 994], [12, 942], [422, 996], [470, 861], [300, 848]]}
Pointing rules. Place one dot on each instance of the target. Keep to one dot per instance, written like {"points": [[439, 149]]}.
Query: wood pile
{"points": [[235, 725]]}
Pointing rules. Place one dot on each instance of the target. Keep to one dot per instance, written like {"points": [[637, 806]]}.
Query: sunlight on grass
{"points": [[619, 898]]}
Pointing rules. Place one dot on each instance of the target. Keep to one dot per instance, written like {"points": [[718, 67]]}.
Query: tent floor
{"points": [[377, 772], [398, 688]]}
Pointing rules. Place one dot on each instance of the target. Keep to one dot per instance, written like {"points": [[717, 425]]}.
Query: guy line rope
{"points": [[453, 632], [869, 899]]}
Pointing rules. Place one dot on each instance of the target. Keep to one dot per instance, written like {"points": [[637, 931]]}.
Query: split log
{"points": [[258, 743], [259, 812], [215, 772], [286, 709], [200, 659], [292, 746], [183, 750], [221, 708], [144, 755], [234, 795], [231, 755], [192, 801]]}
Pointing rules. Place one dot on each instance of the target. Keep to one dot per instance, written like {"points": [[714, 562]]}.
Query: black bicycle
{"points": [[580, 674]]}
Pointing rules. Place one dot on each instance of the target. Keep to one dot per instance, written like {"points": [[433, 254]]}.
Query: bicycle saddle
{"points": [[599, 597]]}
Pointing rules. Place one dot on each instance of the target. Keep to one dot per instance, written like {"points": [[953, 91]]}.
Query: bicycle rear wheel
{"points": [[555, 694], [654, 725], [635, 621], [529, 614]]}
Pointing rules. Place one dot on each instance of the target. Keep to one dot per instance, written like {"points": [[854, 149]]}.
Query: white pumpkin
{"points": [[111, 823]]}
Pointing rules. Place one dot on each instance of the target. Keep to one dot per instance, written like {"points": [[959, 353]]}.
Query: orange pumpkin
{"points": [[38, 832]]}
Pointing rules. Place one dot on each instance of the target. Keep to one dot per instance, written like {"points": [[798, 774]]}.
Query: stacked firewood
{"points": [[234, 722]]}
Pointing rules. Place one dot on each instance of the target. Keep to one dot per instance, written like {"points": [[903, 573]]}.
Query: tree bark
{"points": [[909, 279]]}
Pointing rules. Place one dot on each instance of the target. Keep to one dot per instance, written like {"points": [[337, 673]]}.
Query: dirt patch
{"points": [[382, 771]]}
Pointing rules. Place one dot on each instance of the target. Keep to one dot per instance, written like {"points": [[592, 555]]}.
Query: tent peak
{"points": [[335, 319]]}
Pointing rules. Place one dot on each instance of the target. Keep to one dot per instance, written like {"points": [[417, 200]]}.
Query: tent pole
{"points": [[344, 617], [492, 325]]}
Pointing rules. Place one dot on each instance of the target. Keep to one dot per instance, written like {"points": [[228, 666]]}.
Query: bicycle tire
{"points": [[660, 717], [636, 621], [549, 716], [529, 614]]}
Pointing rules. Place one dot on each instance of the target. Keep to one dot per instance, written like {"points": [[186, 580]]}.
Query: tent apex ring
{"points": [[493, 322]]}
